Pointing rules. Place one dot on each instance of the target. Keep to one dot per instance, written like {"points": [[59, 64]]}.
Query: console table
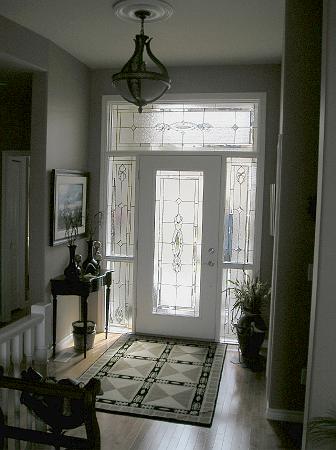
{"points": [[83, 288]]}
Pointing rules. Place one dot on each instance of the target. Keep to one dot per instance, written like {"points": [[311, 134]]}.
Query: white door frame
{"points": [[205, 325], [106, 151]]}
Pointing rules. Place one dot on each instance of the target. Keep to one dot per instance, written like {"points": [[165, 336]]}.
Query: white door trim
{"points": [[205, 325], [258, 97]]}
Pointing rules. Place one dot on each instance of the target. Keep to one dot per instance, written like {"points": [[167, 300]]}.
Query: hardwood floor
{"points": [[238, 424]]}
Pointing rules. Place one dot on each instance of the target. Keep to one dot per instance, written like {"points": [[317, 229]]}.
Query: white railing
{"points": [[25, 340], [23, 343]]}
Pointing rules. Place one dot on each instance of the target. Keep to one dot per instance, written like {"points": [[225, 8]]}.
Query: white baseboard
{"points": [[284, 415]]}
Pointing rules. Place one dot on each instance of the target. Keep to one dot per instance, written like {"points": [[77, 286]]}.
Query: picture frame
{"points": [[68, 193]]}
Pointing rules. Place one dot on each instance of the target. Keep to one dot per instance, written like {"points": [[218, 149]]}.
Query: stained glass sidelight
{"points": [[228, 300], [178, 234], [178, 127], [120, 207], [120, 237], [240, 210], [120, 311]]}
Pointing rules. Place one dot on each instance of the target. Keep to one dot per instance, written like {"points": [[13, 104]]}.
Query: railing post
{"points": [[5, 356], [4, 362], [42, 334], [28, 337], [29, 346]]}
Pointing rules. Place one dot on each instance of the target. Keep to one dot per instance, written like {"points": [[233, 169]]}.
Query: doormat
{"points": [[160, 378]]}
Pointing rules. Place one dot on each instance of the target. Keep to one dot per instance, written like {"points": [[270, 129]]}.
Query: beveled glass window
{"points": [[229, 299], [120, 206], [182, 127], [120, 237], [241, 176], [121, 298], [178, 235]]}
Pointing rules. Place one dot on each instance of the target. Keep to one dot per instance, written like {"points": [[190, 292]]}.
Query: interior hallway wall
{"points": [[295, 227], [321, 392], [59, 137]]}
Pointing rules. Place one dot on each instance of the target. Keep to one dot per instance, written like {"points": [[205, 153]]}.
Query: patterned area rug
{"points": [[162, 378]]}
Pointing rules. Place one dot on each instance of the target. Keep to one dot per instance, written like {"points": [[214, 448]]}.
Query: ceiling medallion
{"points": [[159, 10], [135, 82]]}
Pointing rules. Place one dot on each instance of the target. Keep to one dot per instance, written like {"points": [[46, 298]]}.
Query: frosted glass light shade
{"points": [[141, 91]]}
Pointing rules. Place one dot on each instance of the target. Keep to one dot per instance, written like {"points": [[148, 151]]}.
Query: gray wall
{"points": [[295, 227], [321, 392], [38, 190], [20, 45], [59, 137], [67, 148], [186, 80]]}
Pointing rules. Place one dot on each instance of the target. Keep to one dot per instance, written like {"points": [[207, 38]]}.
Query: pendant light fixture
{"points": [[143, 79]]}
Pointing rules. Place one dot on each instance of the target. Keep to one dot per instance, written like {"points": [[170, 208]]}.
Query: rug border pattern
{"points": [[209, 400]]}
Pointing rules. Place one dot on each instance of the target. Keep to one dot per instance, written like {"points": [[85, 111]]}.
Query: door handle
{"points": [[211, 250]]}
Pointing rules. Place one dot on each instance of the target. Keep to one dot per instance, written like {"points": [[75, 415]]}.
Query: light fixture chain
{"points": [[142, 31], [142, 15]]}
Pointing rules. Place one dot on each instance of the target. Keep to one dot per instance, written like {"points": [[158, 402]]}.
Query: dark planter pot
{"points": [[78, 334], [251, 330]]}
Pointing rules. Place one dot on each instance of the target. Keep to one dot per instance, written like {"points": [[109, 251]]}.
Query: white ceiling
{"points": [[200, 32]]}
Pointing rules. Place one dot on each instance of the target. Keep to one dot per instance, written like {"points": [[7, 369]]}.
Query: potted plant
{"points": [[322, 431], [251, 296]]}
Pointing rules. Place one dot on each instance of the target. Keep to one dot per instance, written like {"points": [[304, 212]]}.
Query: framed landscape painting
{"points": [[68, 199]]}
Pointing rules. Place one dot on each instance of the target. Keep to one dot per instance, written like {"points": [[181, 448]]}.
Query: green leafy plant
{"points": [[323, 429], [251, 295]]}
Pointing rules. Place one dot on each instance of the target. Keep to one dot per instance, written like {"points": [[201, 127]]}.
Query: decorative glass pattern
{"points": [[120, 312], [228, 300], [178, 234], [120, 206], [239, 216], [182, 127]]}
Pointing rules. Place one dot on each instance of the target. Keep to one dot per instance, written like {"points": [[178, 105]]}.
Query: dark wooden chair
{"points": [[40, 397]]}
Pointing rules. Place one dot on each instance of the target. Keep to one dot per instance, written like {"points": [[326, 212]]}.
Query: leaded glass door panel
{"points": [[178, 245]]}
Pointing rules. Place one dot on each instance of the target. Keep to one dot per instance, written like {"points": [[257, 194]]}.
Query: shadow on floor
{"points": [[290, 434]]}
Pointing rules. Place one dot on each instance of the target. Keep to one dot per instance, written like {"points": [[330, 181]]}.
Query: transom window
{"points": [[183, 127]]}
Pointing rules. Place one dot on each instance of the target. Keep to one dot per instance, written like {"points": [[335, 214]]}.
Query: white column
{"points": [[43, 332]]}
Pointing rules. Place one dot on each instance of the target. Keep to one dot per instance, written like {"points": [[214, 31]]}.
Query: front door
{"points": [[177, 260]]}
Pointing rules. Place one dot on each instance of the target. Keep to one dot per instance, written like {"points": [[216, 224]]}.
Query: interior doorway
{"points": [[14, 234]]}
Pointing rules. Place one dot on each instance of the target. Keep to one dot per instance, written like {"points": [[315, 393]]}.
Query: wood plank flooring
{"points": [[238, 424]]}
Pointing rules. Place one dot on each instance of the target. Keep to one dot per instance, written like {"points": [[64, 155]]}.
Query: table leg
{"points": [[107, 309], [54, 323], [84, 306]]}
